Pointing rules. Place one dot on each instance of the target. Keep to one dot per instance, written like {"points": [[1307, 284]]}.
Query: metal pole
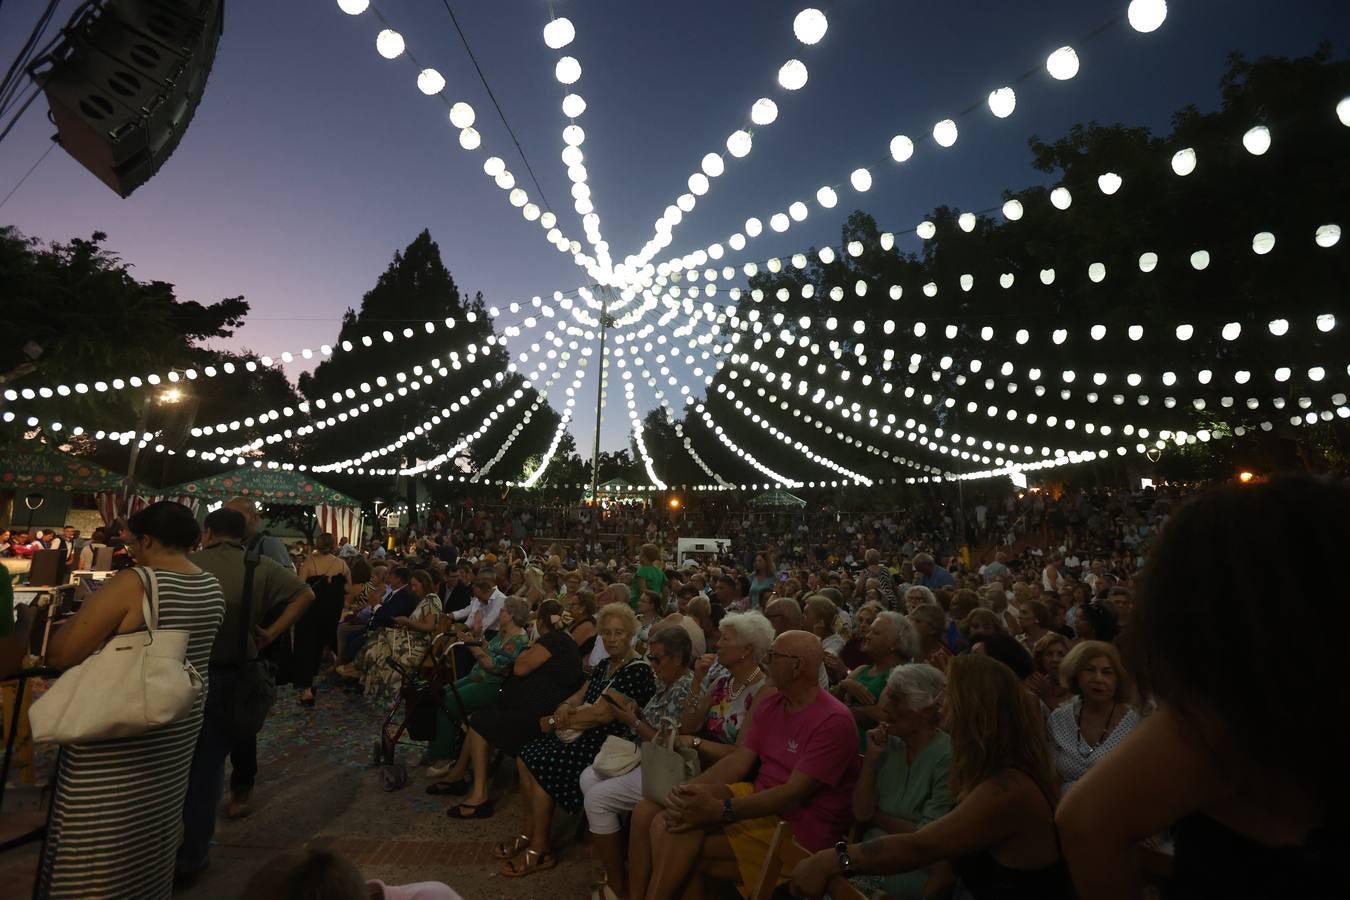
{"points": [[136, 443], [605, 321]]}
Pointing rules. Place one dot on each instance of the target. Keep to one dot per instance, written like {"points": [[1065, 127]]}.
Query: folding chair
{"points": [[773, 864]]}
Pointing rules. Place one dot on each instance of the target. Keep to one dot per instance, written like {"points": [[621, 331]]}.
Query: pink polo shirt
{"points": [[820, 741]]}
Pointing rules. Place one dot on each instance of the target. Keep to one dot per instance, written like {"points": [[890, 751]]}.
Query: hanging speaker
{"points": [[125, 81]]}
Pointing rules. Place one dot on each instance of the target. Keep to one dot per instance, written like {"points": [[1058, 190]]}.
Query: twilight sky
{"points": [[312, 159]]}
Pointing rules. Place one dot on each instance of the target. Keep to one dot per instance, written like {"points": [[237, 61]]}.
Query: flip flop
{"points": [[481, 811], [449, 788], [518, 843], [542, 861]]}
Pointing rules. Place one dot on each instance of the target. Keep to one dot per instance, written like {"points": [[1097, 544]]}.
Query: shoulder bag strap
{"points": [[150, 601], [251, 561]]}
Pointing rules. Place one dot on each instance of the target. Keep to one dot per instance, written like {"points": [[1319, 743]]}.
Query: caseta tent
{"points": [[334, 511]]}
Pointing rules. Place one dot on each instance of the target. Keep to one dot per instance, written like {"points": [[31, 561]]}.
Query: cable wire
{"points": [[31, 170]]}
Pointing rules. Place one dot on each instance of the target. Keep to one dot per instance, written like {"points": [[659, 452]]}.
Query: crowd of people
{"points": [[1043, 696]]}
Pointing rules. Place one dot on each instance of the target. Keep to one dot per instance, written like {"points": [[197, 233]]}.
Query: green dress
{"points": [[874, 680], [477, 690], [918, 792]]}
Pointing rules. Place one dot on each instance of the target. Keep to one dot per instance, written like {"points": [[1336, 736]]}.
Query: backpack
{"points": [[255, 688]]}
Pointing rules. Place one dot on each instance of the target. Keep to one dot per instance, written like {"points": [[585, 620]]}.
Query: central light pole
{"points": [[606, 320]]}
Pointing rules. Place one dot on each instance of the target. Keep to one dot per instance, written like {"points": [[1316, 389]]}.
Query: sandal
{"points": [[541, 861], [483, 810], [518, 843], [450, 788]]}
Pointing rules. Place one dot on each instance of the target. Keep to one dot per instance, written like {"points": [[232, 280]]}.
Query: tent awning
{"points": [[777, 500], [265, 486], [33, 465]]}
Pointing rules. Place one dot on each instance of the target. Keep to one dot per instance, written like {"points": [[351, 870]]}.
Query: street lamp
{"points": [[168, 397]]}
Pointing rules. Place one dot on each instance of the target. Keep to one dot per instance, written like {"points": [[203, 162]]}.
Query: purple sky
{"points": [[312, 159]]}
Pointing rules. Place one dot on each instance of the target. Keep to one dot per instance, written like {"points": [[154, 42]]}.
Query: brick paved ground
{"points": [[316, 788]]}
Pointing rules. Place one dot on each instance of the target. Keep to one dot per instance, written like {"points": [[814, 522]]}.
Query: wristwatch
{"points": [[552, 721], [845, 863], [696, 743]]}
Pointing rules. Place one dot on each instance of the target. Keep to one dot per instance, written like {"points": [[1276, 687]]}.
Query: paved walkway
{"points": [[316, 788]]}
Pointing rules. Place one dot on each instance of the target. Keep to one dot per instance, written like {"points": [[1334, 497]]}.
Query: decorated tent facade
{"points": [[334, 511], [777, 500], [33, 465]]}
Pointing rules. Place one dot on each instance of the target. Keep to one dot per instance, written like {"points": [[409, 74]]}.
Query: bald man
{"points": [[785, 614], [805, 745], [269, 546]]}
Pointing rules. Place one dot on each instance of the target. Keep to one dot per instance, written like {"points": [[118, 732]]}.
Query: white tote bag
{"points": [[136, 682]]}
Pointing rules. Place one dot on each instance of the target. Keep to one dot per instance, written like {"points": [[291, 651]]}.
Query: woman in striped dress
{"points": [[118, 803]]}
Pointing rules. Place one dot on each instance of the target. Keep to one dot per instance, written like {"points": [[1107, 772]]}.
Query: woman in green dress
{"points": [[904, 783], [891, 641], [478, 689]]}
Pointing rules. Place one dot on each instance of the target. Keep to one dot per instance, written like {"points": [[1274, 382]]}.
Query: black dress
{"points": [[523, 701], [985, 878], [1215, 862], [558, 766]]}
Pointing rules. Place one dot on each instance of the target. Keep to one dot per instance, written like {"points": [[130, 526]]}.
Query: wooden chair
{"points": [[764, 886], [839, 889]]}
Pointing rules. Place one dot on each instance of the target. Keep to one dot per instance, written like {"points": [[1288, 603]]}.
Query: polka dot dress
{"points": [[1073, 756], [558, 766]]}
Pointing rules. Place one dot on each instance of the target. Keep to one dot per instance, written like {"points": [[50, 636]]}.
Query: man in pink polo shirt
{"points": [[806, 745]]}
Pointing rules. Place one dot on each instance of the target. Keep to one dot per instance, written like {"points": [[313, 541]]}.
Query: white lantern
{"points": [[764, 112], [926, 230], [861, 179], [430, 82], [1279, 327], [1060, 198], [798, 211], [1006, 280], [1343, 111], [792, 75], [1012, 210], [568, 70], [739, 144], [779, 222], [1325, 322], [1109, 183], [1062, 64], [1200, 260], [1185, 332], [1231, 331], [1146, 15], [461, 115], [944, 133], [902, 148], [1257, 140], [573, 105], [966, 222], [810, 25], [469, 138], [753, 227], [1047, 276], [1148, 262], [389, 44], [1097, 273], [1002, 102], [559, 33], [1263, 243], [1183, 161], [1327, 235], [353, 7]]}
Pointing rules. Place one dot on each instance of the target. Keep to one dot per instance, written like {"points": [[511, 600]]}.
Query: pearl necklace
{"points": [[737, 691]]}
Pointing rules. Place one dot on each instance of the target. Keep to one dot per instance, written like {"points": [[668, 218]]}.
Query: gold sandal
{"points": [[541, 861], [518, 843]]}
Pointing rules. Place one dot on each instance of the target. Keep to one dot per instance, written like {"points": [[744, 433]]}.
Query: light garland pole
{"points": [[606, 320]]}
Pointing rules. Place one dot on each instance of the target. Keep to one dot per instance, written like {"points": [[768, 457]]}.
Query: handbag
{"points": [[134, 683], [617, 756], [665, 766], [255, 687]]}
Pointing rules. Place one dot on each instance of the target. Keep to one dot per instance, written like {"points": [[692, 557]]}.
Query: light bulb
{"points": [[827, 198], [1257, 140], [469, 138], [1262, 243], [902, 148], [944, 133], [1343, 111], [1062, 64], [861, 179], [573, 105], [792, 76], [568, 70], [810, 25], [430, 82], [1146, 15], [966, 222], [1002, 102], [1200, 260], [712, 165], [1109, 183], [1327, 235], [1231, 331], [1148, 262], [1060, 198], [1183, 161], [926, 230], [559, 33], [353, 7], [1012, 210], [739, 144], [1097, 273], [764, 112], [389, 44]]}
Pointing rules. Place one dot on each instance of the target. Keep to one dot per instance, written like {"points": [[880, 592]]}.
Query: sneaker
{"points": [[438, 771], [240, 805]]}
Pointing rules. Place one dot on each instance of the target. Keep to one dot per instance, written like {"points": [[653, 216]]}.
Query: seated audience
{"points": [[929, 623], [1048, 655], [999, 839], [406, 642], [1242, 761], [1100, 716], [892, 641], [581, 607], [905, 778], [719, 825], [820, 616], [852, 653]]}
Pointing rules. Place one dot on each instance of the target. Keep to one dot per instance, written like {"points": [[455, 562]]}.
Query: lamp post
{"points": [[170, 396]]}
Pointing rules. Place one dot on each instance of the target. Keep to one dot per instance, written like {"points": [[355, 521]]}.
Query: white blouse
{"points": [[1073, 756]]}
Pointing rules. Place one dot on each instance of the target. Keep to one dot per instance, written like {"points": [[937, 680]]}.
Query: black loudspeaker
{"points": [[125, 80], [48, 568]]}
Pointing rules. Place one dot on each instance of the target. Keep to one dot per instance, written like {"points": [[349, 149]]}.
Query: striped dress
{"points": [[118, 804]]}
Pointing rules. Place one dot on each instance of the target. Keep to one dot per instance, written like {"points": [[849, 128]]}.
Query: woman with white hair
{"points": [[904, 782], [891, 641]]}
